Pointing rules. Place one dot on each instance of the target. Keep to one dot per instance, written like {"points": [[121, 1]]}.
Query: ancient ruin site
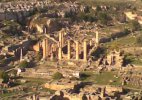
{"points": [[71, 50]]}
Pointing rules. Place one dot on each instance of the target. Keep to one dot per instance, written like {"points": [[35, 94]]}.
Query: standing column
{"points": [[69, 50], [77, 50], [112, 60], [85, 50], [103, 92], [44, 48], [60, 53], [60, 46], [38, 46], [21, 54], [97, 37], [62, 39]]}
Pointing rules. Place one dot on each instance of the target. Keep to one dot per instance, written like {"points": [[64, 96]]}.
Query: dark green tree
{"points": [[4, 76], [103, 18]]}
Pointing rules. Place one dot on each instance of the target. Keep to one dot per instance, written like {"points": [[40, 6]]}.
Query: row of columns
{"points": [[84, 50], [61, 43], [77, 50]]}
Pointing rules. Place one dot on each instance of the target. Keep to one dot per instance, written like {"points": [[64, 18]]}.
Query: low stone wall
{"points": [[56, 86], [110, 89], [30, 72]]}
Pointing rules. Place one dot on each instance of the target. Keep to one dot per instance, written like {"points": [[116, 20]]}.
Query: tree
{"points": [[88, 17], [4, 76], [2, 57], [57, 76], [103, 17], [1, 72]]}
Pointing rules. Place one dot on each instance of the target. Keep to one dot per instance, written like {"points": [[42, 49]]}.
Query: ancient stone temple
{"points": [[65, 48]]}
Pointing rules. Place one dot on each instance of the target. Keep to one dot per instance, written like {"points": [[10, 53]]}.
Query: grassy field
{"points": [[34, 85], [108, 2], [126, 41], [105, 78]]}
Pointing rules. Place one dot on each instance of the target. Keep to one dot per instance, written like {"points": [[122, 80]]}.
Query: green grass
{"points": [[48, 90], [5, 96], [134, 60], [35, 80], [31, 82], [137, 62], [105, 77], [102, 79], [106, 2], [126, 41]]}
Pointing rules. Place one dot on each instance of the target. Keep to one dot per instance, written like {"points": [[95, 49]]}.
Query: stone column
{"points": [[112, 60], [21, 54], [77, 50], [60, 53], [69, 50], [97, 37], [60, 46], [103, 92], [44, 48], [38, 46], [85, 50], [60, 39]]}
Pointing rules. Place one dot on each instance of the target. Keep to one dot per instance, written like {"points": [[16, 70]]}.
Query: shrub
{"points": [[57, 76], [4, 76], [84, 76], [103, 18], [88, 17], [3, 61], [2, 57], [1, 72]]}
